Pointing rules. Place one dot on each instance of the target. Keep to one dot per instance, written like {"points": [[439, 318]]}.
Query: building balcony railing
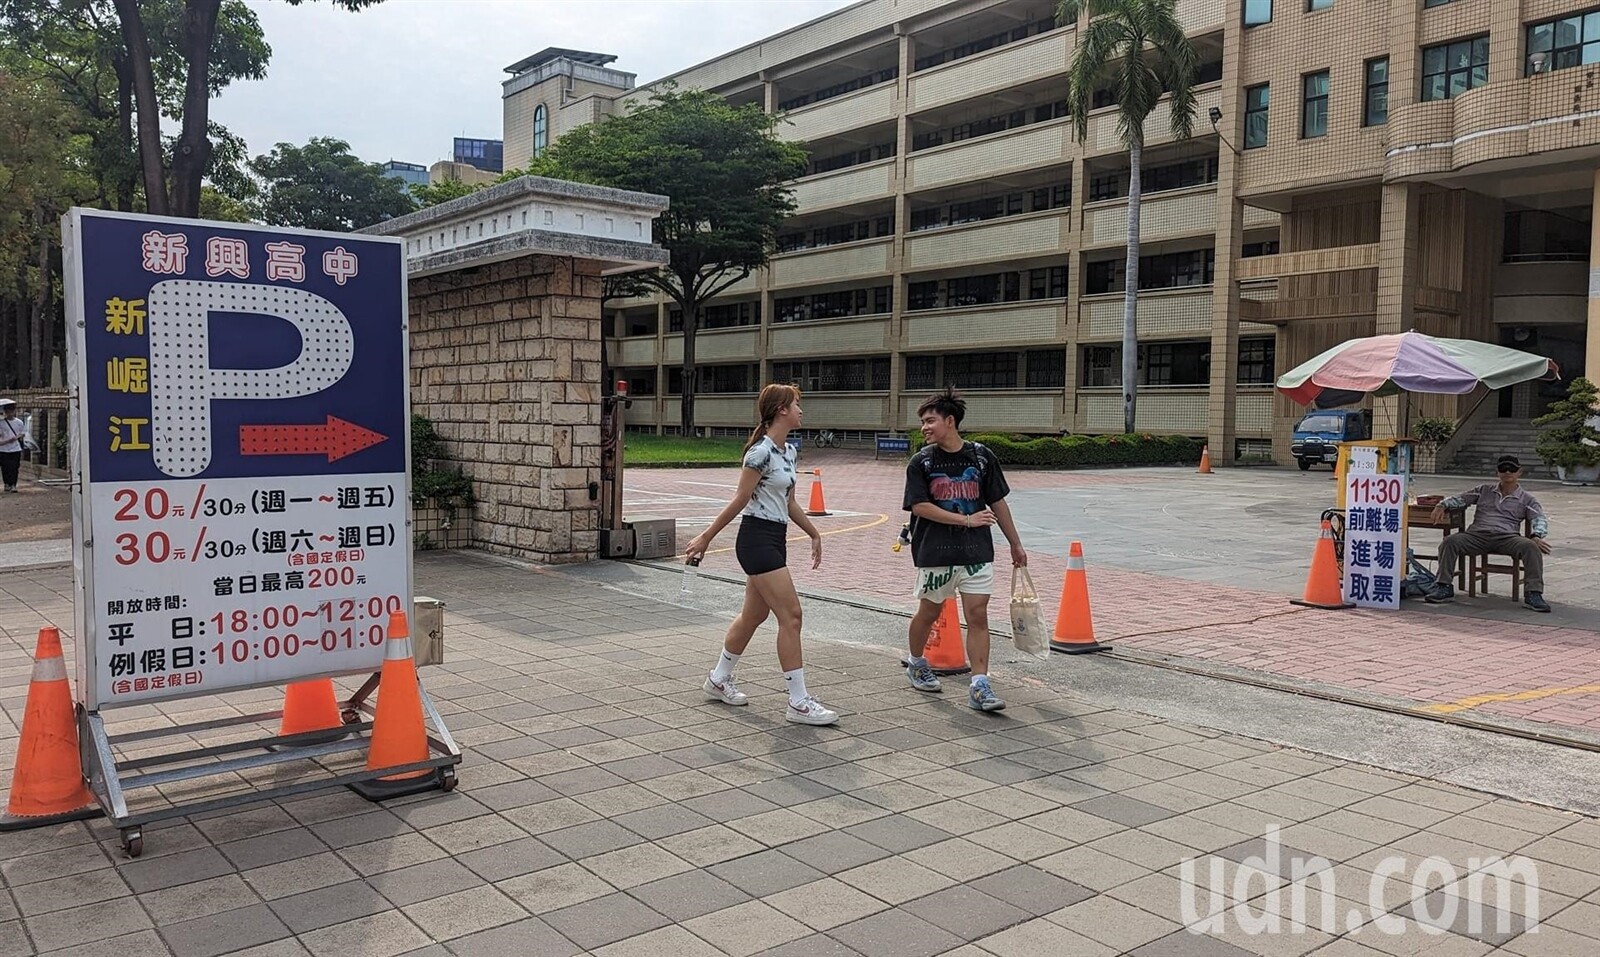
{"points": [[1104, 138], [1252, 411], [1331, 259], [1171, 410], [1041, 144], [1163, 313], [854, 184], [999, 410], [840, 114], [1035, 323], [1005, 238], [1003, 67], [634, 351], [1181, 212], [851, 335], [711, 345], [1526, 116], [856, 260], [1202, 16]]}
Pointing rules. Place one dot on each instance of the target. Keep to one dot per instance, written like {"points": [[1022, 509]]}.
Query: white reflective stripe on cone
{"points": [[1075, 563], [396, 649], [50, 669]]}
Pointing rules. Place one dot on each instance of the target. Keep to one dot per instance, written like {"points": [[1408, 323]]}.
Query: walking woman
{"points": [[766, 500]]}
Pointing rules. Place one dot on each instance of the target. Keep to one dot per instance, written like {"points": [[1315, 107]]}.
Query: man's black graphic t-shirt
{"points": [[965, 482]]}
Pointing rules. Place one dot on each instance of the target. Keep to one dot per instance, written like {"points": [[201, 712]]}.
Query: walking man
{"points": [[955, 491], [12, 431], [1496, 529]]}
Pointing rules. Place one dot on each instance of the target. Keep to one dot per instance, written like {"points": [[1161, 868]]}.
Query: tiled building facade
{"points": [[1357, 166]]}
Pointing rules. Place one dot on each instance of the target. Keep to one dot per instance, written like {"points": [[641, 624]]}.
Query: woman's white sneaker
{"points": [[810, 711], [726, 692]]}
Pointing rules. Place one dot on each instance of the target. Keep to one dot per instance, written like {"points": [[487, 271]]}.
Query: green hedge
{"points": [[1090, 451]]}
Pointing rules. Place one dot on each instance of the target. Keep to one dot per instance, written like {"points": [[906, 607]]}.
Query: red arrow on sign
{"points": [[335, 439]]}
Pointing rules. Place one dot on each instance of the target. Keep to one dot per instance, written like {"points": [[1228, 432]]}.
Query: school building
{"points": [[1357, 167]]}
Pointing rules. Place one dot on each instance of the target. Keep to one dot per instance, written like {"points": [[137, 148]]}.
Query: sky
{"points": [[400, 79]]}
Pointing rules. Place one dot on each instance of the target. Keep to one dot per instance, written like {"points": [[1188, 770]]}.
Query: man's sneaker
{"points": [[725, 692], [983, 698], [810, 711], [1535, 600], [1441, 592], [922, 676]]}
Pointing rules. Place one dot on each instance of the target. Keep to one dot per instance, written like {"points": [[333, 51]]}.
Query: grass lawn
{"points": [[676, 450]]}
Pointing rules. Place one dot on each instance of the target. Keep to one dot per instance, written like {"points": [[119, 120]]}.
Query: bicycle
{"points": [[829, 439]]}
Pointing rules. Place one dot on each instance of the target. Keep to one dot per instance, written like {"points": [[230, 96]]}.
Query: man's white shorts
{"points": [[938, 584]]}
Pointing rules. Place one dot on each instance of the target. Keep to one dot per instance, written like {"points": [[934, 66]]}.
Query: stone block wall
{"points": [[505, 359]]}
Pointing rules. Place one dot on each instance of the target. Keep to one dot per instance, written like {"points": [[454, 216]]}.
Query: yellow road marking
{"points": [[834, 531], [1537, 694]]}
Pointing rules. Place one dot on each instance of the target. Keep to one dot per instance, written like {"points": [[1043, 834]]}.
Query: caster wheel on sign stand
{"points": [[133, 841], [447, 779]]}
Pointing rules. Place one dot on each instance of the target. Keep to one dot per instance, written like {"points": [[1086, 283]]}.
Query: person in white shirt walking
{"points": [[766, 500], [12, 431]]}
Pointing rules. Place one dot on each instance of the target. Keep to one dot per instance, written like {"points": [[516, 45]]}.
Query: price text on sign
{"points": [[1374, 539], [243, 425]]}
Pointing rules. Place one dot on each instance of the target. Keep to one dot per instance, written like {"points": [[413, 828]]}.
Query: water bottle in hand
{"points": [[691, 571]]}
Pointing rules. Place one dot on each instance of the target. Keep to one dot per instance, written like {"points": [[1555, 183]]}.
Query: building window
{"points": [[835, 375], [1312, 6], [1047, 369], [982, 370], [1436, 3], [1257, 12], [1256, 101], [1451, 69], [541, 130], [1102, 366], [922, 372], [1267, 247], [1314, 105], [1256, 359], [1176, 363], [1568, 42], [1375, 109]]}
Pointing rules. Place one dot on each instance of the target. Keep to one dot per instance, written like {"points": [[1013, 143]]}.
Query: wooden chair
{"points": [[1480, 567]]}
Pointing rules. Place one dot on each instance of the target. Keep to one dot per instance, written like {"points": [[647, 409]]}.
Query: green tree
{"points": [[1137, 49], [322, 185], [432, 194], [196, 31], [726, 173]]}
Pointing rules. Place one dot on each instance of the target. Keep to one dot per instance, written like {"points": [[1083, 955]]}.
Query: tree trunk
{"points": [[39, 341], [691, 325], [192, 153], [149, 114], [126, 178], [1130, 295]]}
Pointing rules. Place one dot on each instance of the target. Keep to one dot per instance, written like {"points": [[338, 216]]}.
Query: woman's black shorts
{"points": [[762, 546]]}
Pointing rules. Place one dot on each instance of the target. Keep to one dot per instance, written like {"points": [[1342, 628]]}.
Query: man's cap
{"points": [[5, 402], [1509, 460]]}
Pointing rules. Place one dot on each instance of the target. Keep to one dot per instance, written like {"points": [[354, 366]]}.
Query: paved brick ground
{"points": [[604, 808], [1533, 668]]}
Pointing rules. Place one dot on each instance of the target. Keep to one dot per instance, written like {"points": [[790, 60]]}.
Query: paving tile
{"points": [[1033, 890], [766, 872], [224, 932], [840, 811], [666, 942], [748, 928], [581, 781], [529, 937], [1019, 841], [776, 828], [1002, 771], [513, 794], [287, 947], [817, 945], [1040, 936], [834, 851], [1123, 810], [435, 809], [604, 920], [86, 924], [421, 882], [1481, 922], [960, 859], [555, 888], [689, 895], [895, 933], [510, 859], [729, 805], [790, 790], [272, 848], [550, 816], [381, 935], [14, 940], [64, 892], [587, 840], [709, 845], [200, 899], [459, 837], [1184, 944], [966, 912], [1279, 859], [898, 833], [895, 880], [355, 829], [298, 876], [636, 865], [464, 912], [1118, 925], [610, 802], [825, 904], [329, 905], [140, 943], [653, 823], [404, 850]]}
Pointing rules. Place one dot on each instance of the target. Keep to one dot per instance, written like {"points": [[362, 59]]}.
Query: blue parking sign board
{"points": [[242, 449]]}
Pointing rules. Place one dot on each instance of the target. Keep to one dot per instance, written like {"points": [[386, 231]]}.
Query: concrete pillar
{"points": [[1223, 395], [902, 227], [1398, 278], [1591, 352]]}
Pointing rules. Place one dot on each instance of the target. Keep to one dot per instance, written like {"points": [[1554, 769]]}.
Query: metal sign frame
{"points": [[110, 779]]}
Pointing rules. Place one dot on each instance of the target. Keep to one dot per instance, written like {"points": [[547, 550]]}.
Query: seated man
{"points": [[1496, 529]]}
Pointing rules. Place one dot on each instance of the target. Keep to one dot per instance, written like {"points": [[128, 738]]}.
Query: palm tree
{"points": [[1137, 49]]}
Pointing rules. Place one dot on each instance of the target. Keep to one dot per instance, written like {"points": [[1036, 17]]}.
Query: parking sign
{"points": [[242, 451]]}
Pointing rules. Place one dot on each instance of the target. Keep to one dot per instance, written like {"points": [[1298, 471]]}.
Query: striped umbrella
{"points": [[1408, 362]]}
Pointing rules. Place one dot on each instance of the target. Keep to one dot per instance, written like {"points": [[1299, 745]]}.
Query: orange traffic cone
{"points": [[399, 736], [1074, 634], [1205, 460], [310, 706], [1323, 587], [946, 651], [817, 507], [47, 786]]}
